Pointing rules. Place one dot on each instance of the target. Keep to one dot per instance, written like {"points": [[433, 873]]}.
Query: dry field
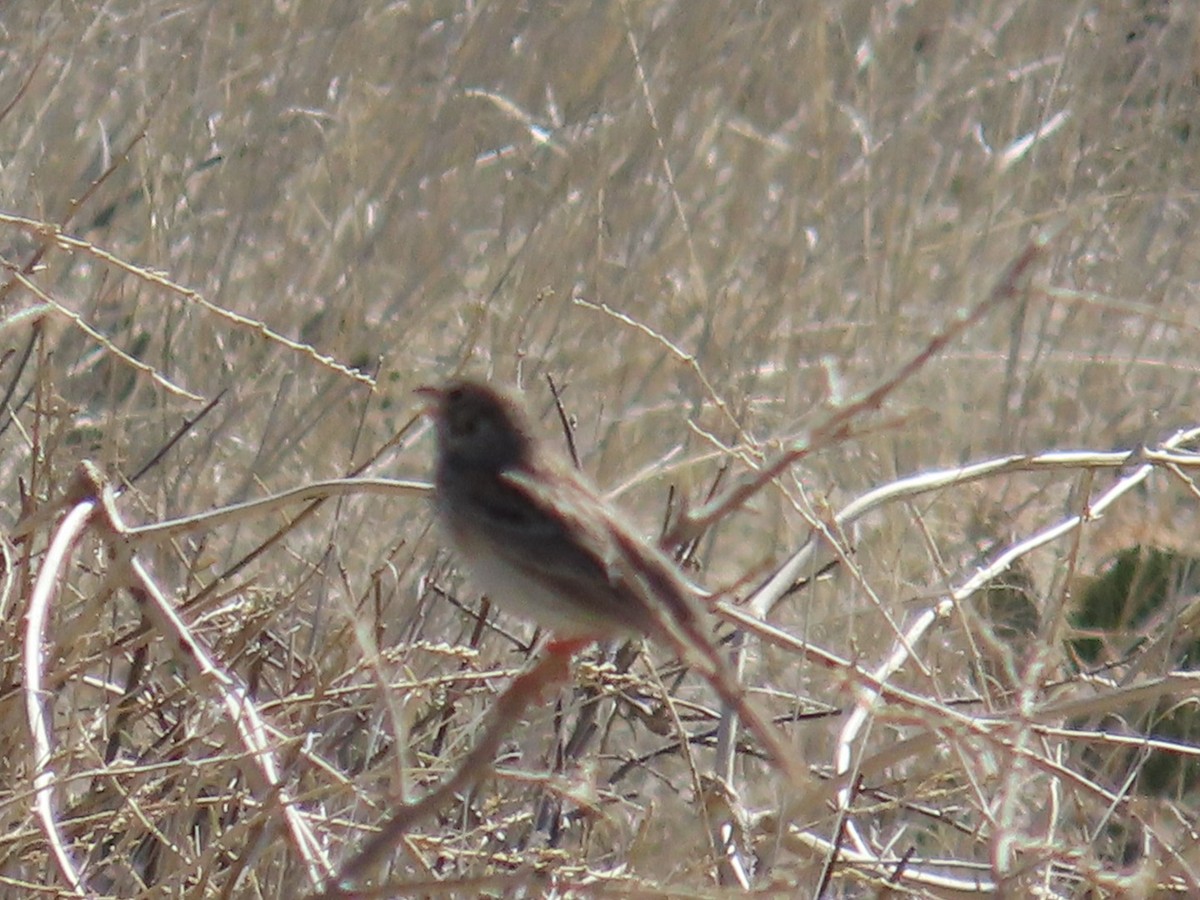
{"points": [[881, 240]]}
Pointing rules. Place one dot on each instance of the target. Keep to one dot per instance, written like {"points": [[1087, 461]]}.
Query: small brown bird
{"points": [[540, 541]]}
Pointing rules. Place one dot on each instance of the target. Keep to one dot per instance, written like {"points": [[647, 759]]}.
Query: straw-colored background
{"points": [[776, 203]]}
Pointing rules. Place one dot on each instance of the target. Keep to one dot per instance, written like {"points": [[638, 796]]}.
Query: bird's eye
{"points": [[463, 418], [466, 425]]}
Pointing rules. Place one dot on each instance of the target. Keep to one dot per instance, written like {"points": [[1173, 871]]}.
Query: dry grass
{"points": [[713, 225]]}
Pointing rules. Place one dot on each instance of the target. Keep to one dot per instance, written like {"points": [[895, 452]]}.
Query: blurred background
{"points": [[711, 224]]}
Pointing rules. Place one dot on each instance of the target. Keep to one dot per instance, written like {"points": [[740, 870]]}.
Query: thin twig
{"points": [[551, 669], [54, 234], [836, 425], [188, 425], [37, 711], [565, 421], [263, 768]]}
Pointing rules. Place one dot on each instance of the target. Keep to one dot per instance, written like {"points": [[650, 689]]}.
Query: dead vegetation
{"points": [[938, 255]]}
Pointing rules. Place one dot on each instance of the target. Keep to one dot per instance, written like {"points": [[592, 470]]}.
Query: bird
{"points": [[542, 542]]}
